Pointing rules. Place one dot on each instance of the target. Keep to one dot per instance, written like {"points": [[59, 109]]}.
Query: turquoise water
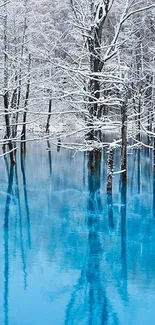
{"points": [[68, 253]]}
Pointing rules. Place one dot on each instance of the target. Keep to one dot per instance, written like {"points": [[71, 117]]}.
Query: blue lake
{"points": [[68, 253]]}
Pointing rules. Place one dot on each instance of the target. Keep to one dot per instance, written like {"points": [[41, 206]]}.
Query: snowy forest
{"points": [[76, 69], [77, 162]]}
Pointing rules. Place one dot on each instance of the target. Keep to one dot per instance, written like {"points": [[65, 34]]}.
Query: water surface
{"points": [[68, 253]]}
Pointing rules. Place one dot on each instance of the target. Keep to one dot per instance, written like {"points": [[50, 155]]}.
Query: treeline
{"points": [[92, 59]]}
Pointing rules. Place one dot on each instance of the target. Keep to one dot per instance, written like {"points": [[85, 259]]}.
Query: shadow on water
{"points": [[89, 303], [6, 245]]}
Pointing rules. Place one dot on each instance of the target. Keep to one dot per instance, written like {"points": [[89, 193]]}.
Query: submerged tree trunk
{"points": [[94, 178]]}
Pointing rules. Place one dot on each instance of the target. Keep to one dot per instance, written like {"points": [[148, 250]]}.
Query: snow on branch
{"points": [[100, 11]]}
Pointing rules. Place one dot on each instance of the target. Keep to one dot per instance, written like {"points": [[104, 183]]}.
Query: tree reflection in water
{"points": [[26, 200], [13, 184], [23, 258], [123, 241], [6, 245], [89, 303]]}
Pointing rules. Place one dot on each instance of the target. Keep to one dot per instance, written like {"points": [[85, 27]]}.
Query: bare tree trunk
{"points": [[14, 94], [110, 164], [23, 133], [96, 65], [6, 93], [139, 119], [94, 41], [124, 139], [49, 116], [20, 70], [14, 107]]}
